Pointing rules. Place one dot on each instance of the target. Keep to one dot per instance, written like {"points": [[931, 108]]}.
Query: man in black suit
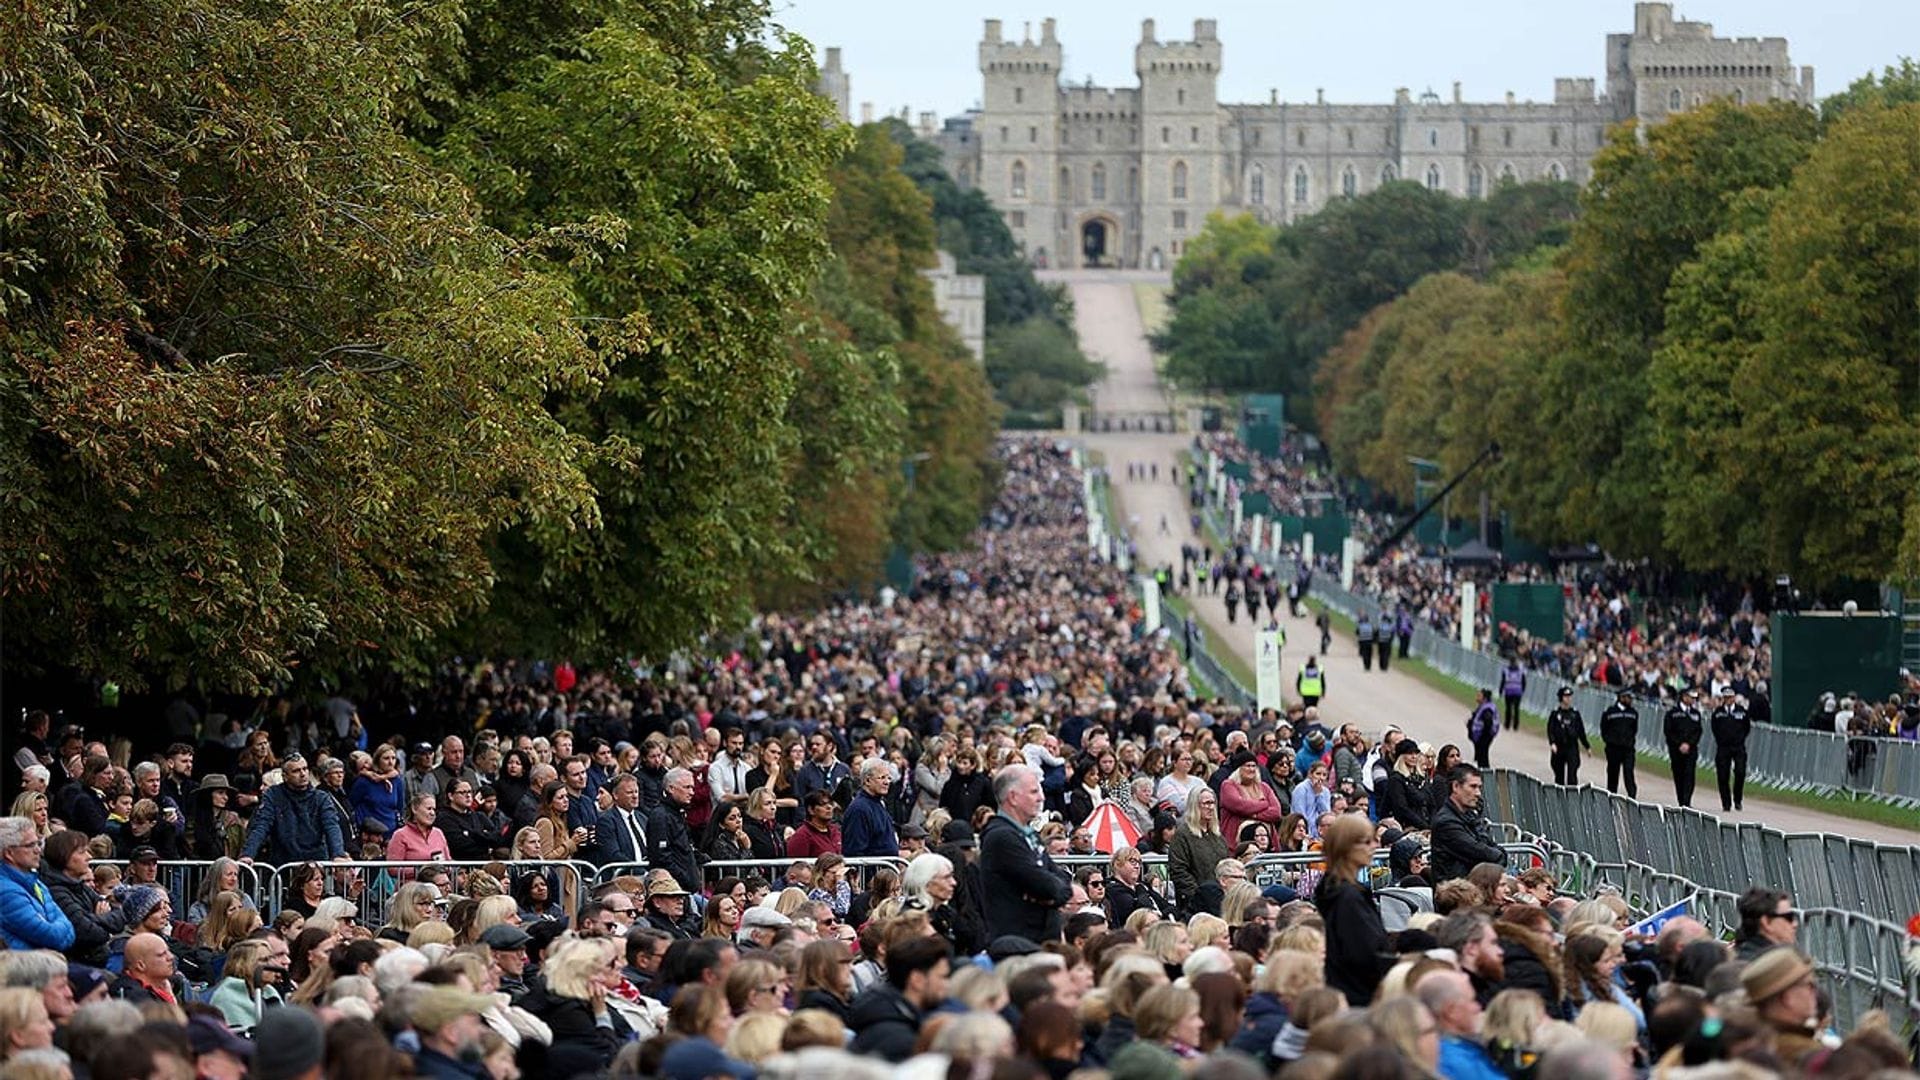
{"points": [[620, 834], [1028, 889]]}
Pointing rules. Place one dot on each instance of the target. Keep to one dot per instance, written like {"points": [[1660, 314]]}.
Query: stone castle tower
{"points": [[1103, 176]]}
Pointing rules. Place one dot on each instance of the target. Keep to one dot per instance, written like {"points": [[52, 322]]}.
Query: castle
{"points": [[1097, 176]]}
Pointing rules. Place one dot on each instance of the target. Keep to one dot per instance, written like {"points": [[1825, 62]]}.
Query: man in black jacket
{"points": [[1461, 838], [1731, 728], [669, 840], [1566, 738], [1683, 728], [886, 1017], [1026, 890], [1619, 727]]}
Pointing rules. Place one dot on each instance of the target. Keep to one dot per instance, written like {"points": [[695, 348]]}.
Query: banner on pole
{"points": [[1266, 668], [1150, 597], [1469, 600], [1650, 926]]}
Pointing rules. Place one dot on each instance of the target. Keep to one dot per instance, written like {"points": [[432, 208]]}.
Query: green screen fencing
{"points": [[1815, 653], [1539, 608]]}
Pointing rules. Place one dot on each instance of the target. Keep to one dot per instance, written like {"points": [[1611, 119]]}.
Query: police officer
{"points": [[1683, 728], [1731, 727], [1383, 641], [1566, 737], [1619, 727], [1363, 635], [1311, 682]]}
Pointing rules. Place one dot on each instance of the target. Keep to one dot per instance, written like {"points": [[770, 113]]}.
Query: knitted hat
{"points": [[140, 902], [1774, 973], [1143, 1061], [287, 1043]]}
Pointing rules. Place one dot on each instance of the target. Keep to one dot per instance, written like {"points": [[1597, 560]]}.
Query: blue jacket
{"points": [[294, 826], [868, 829], [377, 799], [29, 916], [1265, 1015], [1464, 1059]]}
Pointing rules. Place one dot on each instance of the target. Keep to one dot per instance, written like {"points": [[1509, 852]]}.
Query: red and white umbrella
{"points": [[1110, 828]]}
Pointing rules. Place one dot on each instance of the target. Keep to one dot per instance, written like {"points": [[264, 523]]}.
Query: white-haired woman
{"points": [[928, 885], [572, 1000]]}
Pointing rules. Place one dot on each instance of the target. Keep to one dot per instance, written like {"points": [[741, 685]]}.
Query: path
{"points": [[1108, 322]]}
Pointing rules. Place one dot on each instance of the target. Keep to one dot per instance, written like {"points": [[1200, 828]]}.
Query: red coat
{"points": [[1237, 807], [808, 842]]}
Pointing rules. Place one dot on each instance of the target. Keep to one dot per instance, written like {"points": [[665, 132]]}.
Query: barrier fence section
{"points": [[1855, 896], [1797, 759], [371, 885]]}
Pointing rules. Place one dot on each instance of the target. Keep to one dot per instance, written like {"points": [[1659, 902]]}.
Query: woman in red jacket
{"points": [[1246, 797]]}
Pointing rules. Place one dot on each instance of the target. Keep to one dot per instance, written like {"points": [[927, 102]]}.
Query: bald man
{"points": [[148, 975]]}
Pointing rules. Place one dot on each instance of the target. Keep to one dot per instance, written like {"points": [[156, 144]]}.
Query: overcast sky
{"points": [[924, 53]]}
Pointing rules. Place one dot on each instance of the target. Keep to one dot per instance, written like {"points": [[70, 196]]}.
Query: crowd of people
{"points": [[982, 828], [1624, 626]]}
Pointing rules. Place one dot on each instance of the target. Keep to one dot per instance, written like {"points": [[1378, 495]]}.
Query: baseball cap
{"points": [[958, 834], [505, 936], [144, 853]]}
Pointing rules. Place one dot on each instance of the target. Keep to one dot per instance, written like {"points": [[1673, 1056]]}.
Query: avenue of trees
{"points": [[338, 335], [1716, 366]]}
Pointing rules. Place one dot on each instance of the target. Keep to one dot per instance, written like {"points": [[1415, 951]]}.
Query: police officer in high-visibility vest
{"points": [[1619, 727], [1683, 729], [1311, 682]]}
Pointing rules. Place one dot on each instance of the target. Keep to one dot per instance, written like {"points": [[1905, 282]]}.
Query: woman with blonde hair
{"points": [[428, 934], [757, 986], [1278, 985], [491, 911], [813, 1027], [1170, 1016], [790, 900], [32, 805], [825, 982], [1513, 1019], [1168, 942], [1204, 930], [1141, 919], [228, 920], [1197, 846], [1233, 906], [247, 986], [24, 1023], [1405, 1024], [414, 903], [756, 1037], [1614, 1025], [572, 1000]]}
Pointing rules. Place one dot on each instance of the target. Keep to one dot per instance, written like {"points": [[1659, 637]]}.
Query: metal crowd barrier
{"points": [[859, 870], [1794, 758], [371, 885], [183, 879]]}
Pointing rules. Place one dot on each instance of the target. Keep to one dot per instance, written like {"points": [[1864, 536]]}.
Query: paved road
{"points": [[1108, 322]]}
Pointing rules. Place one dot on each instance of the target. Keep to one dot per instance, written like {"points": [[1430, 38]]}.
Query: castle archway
{"points": [[1100, 241]]}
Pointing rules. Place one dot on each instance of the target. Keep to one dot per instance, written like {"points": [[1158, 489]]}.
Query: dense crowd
{"points": [[1623, 626], [980, 829]]}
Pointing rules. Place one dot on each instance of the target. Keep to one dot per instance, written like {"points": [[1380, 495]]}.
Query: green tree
{"points": [[1035, 365], [1650, 205], [691, 136], [269, 384], [1898, 84]]}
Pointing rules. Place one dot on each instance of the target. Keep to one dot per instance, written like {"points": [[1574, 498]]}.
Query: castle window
{"points": [[1256, 136], [1475, 182], [1066, 182], [1739, 96], [1433, 137], [1506, 136], [1179, 97], [1179, 179], [1300, 184], [1673, 101], [1386, 174], [1166, 135], [1257, 186], [1003, 133], [1179, 219], [1099, 182], [1554, 172], [1193, 135], [1433, 178], [1017, 182], [1033, 134], [1349, 138], [1473, 137], [1133, 182], [1019, 95], [1299, 136], [1553, 136], [1099, 135], [1389, 136], [1017, 219], [1506, 174], [1348, 182]]}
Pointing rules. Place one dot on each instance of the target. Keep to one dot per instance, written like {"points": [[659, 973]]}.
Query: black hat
{"points": [[1007, 945], [1407, 746], [1239, 758], [1415, 941], [421, 748], [911, 832], [505, 936], [958, 834], [1566, 691], [144, 853], [1623, 692]]}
